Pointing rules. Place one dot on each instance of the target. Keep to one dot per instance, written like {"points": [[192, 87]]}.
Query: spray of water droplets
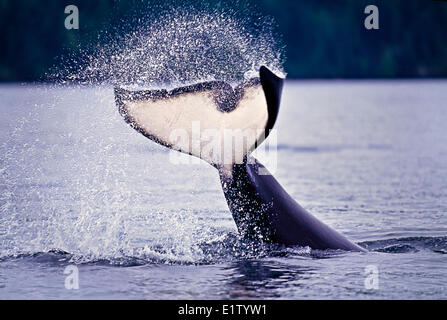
{"points": [[183, 46]]}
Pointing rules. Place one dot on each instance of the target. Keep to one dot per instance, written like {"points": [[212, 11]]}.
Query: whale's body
{"points": [[261, 208]]}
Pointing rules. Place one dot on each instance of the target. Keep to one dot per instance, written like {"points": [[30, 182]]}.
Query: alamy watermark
{"points": [[223, 147], [372, 20], [72, 20], [72, 279], [372, 277]]}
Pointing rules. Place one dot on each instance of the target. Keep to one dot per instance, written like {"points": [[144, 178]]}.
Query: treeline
{"points": [[323, 38]]}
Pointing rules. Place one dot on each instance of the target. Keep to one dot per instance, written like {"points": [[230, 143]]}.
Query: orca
{"points": [[261, 208]]}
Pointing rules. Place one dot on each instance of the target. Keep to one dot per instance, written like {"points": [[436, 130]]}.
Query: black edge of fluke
{"points": [[118, 96], [272, 86]]}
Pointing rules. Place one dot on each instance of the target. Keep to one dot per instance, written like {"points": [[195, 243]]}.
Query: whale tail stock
{"points": [[222, 125], [263, 210]]}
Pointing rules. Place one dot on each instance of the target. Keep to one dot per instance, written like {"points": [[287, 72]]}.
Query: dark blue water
{"points": [[79, 187]]}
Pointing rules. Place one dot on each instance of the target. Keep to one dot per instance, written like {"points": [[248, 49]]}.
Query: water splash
{"points": [[70, 182], [182, 45]]}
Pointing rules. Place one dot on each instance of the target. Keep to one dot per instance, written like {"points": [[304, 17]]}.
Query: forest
{"points": [[322, 38]]}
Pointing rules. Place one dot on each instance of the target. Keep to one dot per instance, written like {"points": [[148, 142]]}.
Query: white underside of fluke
{"points": [[192, 123]]}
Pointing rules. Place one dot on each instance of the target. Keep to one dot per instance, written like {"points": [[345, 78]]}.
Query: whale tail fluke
{"points": [[210, 120]]}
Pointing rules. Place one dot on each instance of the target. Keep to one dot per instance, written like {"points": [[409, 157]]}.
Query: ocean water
{"points": [[79, 187]]}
